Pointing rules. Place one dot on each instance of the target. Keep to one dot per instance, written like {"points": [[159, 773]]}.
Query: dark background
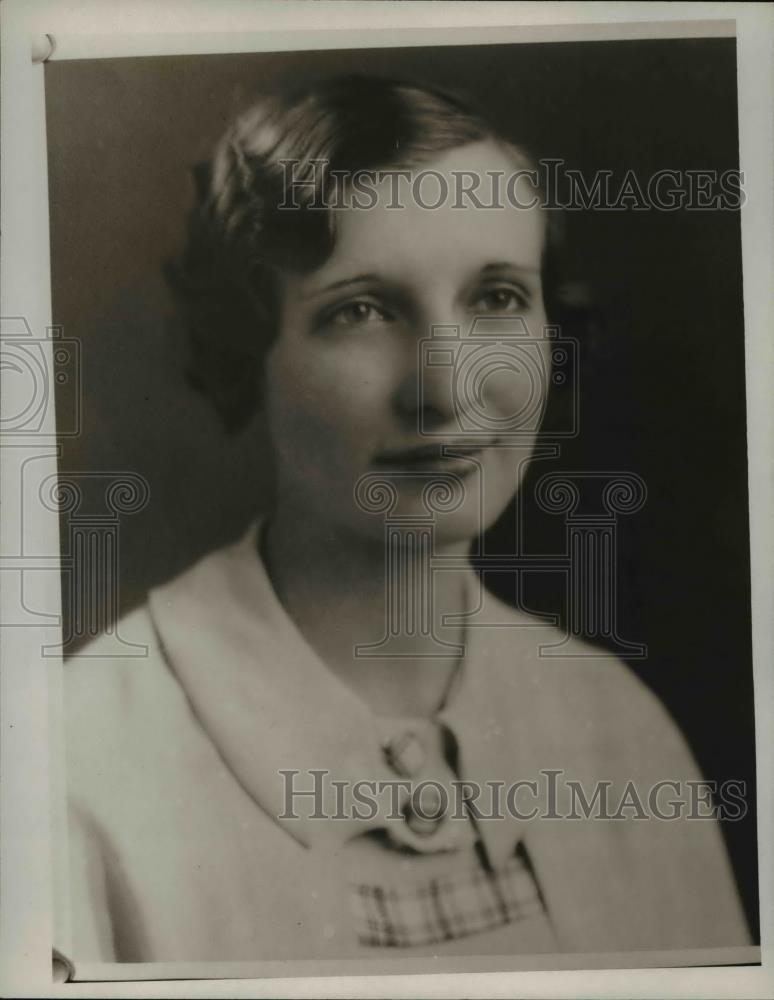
{"points": [[663, 397]]}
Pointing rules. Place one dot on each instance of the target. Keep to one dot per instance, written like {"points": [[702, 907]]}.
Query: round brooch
{"points": [[423, 812]]}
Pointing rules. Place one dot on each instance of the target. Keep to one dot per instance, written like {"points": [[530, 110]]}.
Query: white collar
{"points": [[269, 704]]}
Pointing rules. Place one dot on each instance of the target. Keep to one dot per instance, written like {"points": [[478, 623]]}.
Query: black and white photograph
{"points": [[403, 503]]}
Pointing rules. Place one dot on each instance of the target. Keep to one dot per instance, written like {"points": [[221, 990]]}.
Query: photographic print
{"points": [[403, 505]]}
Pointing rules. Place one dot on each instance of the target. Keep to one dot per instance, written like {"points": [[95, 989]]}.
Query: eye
{"points": [[501, 299], [357, 312]]}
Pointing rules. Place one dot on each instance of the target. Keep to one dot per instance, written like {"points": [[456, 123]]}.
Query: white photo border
{"points": [[30, 685]]}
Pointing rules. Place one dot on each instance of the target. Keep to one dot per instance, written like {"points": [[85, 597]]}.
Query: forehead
{"points": [[438, 230]]}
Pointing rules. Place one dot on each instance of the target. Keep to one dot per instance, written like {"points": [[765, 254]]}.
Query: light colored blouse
{"points": [[178, 848]]}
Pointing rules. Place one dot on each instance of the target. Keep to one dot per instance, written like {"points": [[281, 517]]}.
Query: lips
{"points": [[432, 457]]}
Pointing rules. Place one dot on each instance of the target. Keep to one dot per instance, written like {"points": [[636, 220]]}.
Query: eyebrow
{"points": [[508, 265], [359, 279]]}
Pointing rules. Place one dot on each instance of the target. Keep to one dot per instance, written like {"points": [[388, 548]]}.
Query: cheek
{"points": [[322, 404], [512, 384], [298, 408]]}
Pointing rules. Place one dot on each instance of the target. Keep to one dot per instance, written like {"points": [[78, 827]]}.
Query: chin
{"points": [[464, 526], [458, 527], [454, 516]]}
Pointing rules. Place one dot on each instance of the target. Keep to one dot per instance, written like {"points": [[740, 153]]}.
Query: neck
{"points": [[335, 587]]}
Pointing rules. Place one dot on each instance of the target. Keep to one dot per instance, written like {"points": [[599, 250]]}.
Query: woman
{"points": [[218, 787]]}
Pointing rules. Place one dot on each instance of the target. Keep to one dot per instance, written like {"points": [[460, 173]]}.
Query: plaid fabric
{"points": [[442, 909]]}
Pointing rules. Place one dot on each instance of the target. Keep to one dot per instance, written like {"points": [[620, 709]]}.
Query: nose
{"points": [[425, 397], [460, 380]]}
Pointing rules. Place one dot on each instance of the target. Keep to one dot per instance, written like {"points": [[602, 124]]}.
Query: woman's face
{"points": [[358, 383]]}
